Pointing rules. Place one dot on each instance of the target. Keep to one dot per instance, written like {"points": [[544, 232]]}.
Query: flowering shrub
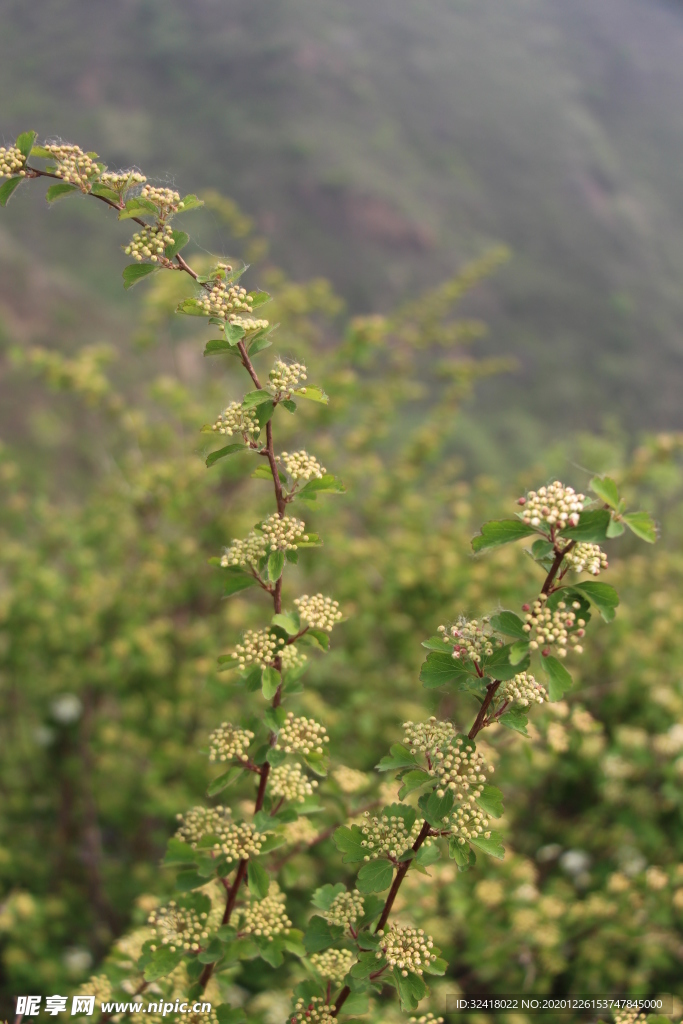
{"points": [[230, 908]]}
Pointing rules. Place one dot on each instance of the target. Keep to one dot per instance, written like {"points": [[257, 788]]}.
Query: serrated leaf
{"points": [[560, 680], [410, 989], [412, 781], [398, 757], [320, 935], [498, 664], [289, 621], [258, 880], [509, 624], [230, 1015], [272, 952], [288, 404], [322, 898], [59, 191], [615, 528], [236, 580], [437, 967], [404, 811], [135, 272], [8, 188], [602, 595], [41, 152], [348, 841], [313, 541], [606, 490], [443, 670], [213, 952], [25, 142], [318, 763], [276, 563], [98, 189], [313, 393], [222, 782], [257, 299], [138, 207], [180, 240], [542, 549], [501, 531], [317, 638], [642, 524], [428, 855], [591, 528], [254, 398], [221, 453], [519, 652], [515, 719], [458, 853], [178, 852], [357, 1003], [435, 808], [492, 847], [491, 801], [375, 876], [186, 881], [437, 643], [270, 682], [218, 347], [327, 484], [365, 966], [190, 202], [162, 963]]}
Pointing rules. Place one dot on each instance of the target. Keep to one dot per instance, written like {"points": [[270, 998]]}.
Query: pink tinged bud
{"points": [[521, 501], [526, 608], [545, 652]]}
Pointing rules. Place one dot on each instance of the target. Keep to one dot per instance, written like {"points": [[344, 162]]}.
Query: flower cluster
{"points": [[301, 466], [291, 657], [334, 964], [228, 743], [427, 737], [406, 948], [587, 558], [345, 909], [119, 181], [11, 162], [258, 647], [350, 780], [555, 505], [301, 735], [467, 821], [283, 533], [284, 377], [179, 927], [387, 835], [98, 986], [629, 1017], [73, 165], [266, 917], [313, 1011], [546, 627], [247, 552], [289, 782], [224, 300], [236, 420], [426, 1018], [149, 243], [459, 768], [165, 199], [471, 638], [237, 840], [524, 689], [248, 323], [318, 611]]}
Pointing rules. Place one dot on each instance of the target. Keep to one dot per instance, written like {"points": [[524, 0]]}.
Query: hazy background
{"points": [[381, 143]]}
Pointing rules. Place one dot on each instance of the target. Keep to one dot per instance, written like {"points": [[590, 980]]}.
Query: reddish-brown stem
{"points": [[479, 720], [554, 568], [227, 913], [263, 782]]}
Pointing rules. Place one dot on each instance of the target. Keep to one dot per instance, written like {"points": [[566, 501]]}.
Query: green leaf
{"points": [[493, 846], [615, 528], [256, 299], [412, 781], [59, 191], [404, 811], [191, 307], [357, 1002], [221, 453], [272, 842], [560, 680], [137, 207], [8, 188], [327, 484], [252, 679], [501, 531], [602, 595], [318, 763], [320, 935], [375, 876], [276, 563], [134, 272], [366, 965], [98, 189], [606, 490], [438, 966], [288, 404], [313, 393], [218, 347], [162, 963], [241, 949], [316, 638], [442, 670], [270, 682], [254, 398], [234, 333], [228, 1015], [222, 782], [188, 880], [25, 142], [180, 240], [289, 621], [41, 152], [190, 202], [313, 541], [515, 719], [212, 953], [642, 524], [428, 855], [498, 665], [322, 898], [237, 580], [271, 952], [519, 652], [410, 990], [258, 880], [437, 643], [435, 808], [348, 841], [509, 624], [264, 413], [491, 801], [178, 852], [398, 757], [591, 528]]}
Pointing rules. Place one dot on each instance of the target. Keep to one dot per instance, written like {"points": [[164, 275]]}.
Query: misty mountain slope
{"points": [[383, 142]]}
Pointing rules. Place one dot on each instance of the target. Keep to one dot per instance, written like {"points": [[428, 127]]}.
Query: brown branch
{"points": [[479, 720], [554, 568]]}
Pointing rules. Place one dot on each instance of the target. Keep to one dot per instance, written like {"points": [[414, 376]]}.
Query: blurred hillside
{"points": [[383, 142]]}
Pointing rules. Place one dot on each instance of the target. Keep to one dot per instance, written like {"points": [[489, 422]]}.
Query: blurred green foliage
{"points": [[112, 620]]}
